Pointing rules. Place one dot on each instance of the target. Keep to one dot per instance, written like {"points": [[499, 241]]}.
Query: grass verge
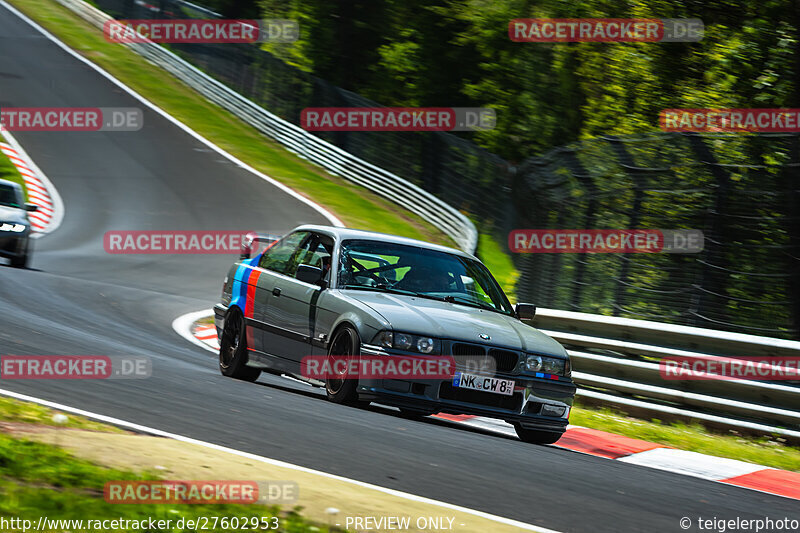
{"points": [[765, 451], [60, 473], [354, 205], [40, 480], [17, 412]]}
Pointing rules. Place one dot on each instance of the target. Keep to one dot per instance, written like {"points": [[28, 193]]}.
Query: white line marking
{"points": [[55, 198], [183, 327], [692, 463], [291, 192], [274, 462]]}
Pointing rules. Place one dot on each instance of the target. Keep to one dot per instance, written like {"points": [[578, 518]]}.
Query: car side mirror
{"points": [[525, 311], [310, 274], [248, 242], [31, 207], [251, 246]]}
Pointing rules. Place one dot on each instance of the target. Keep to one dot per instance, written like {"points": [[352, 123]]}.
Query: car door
{"points": [[274, 262], [292, 308]]}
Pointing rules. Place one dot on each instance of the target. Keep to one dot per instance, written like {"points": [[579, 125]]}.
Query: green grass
{"points": [[354, 205], [40, 480], [9, 172], [499, 263], [16, 411], [693, 437]]}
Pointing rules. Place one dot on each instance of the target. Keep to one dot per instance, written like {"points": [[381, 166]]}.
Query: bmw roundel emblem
{"points": [[484, 336]]}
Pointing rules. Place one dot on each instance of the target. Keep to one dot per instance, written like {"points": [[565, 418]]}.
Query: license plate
{"points": [[464, 380]]}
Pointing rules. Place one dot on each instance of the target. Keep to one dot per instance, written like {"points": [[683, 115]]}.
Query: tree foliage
{"points": [[457, 53]]}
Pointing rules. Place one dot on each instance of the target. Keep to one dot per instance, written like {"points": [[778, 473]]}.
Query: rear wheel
{"points": [[344, 346], [233, 350], [536, 436]]}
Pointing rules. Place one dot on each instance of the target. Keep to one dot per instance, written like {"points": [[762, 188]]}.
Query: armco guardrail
{"points": [[333, 159], [624, 364], [665, 335]]}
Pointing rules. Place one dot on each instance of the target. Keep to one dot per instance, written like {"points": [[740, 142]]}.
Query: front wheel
{"points": [[233, 350], [536, 436], [23, 259], [341, 388]]}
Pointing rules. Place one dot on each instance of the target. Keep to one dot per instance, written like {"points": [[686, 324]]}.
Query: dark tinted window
{"points": [[398, 267], [280, 256], [9, 196]]}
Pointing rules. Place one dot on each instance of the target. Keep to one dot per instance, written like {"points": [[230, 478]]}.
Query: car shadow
{"points": [[298, 387]]}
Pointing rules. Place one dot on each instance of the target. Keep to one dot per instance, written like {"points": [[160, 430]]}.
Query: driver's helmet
{"points": [[427, 276]]}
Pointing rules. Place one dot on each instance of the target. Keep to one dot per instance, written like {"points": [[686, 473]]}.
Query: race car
{"points": [[15, 228], [326, 294]]}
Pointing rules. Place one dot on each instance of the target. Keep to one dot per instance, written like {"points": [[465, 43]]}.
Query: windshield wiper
{"points": [[472, 303], [449, 299]]}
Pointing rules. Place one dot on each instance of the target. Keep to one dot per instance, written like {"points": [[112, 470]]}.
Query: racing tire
{"points": [[536, 436], [344, 345], [233, 350], [22, 260]]}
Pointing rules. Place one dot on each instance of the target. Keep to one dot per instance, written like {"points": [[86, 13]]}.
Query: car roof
{"points": [[13, 184], [350, 233]]}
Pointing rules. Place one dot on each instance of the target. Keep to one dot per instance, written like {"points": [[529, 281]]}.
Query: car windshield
{"points": [[8, 196], [381, 266]]}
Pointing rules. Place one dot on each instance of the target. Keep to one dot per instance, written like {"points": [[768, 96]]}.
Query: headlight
{"points": [[16, 228], [407, 342], [548, 365], [533, 363], [425, 345], [553, 366], [402, 341], [384, 339]]}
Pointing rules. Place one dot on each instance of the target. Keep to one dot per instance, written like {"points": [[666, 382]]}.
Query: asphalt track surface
{"points": [[78, 300]]}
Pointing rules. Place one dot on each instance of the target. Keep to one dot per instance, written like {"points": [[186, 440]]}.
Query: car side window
{"points": [[316, 252], [9, 196], [278, 257]]}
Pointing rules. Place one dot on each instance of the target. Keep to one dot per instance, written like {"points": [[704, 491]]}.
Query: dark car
{"points": [[332, 293], [15, 228]]}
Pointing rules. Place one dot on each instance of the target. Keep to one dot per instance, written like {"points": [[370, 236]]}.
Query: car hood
{"points": [[446, 320], [12, 214]]}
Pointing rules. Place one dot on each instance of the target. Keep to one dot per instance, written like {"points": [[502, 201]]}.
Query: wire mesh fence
{"points": [[741, 190]]}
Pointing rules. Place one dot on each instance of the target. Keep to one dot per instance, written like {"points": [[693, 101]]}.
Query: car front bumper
{"points": [[541, 404]]}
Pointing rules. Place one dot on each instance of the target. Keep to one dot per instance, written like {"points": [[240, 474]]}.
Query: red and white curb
{"points": [[206, 333], [40, 191], [612, 446]]}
